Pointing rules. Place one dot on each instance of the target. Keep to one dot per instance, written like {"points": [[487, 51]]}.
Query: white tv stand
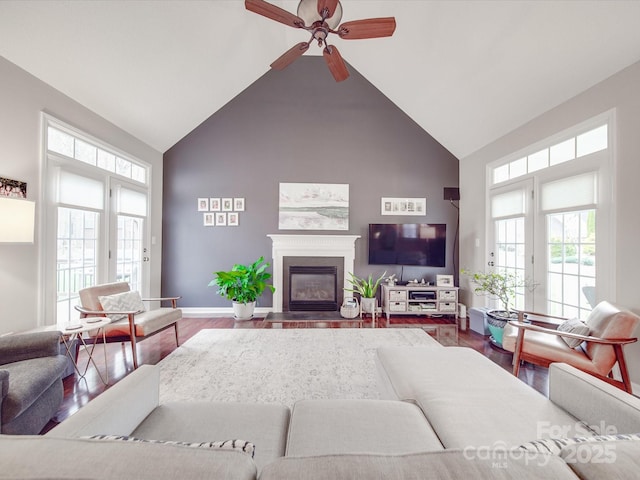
{"points": [[419, 299]]}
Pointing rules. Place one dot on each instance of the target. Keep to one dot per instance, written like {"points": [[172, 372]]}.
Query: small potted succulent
{"points": [[243, 285], [367, 289]]}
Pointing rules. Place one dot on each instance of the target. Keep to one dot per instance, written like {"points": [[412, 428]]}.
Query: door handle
{"points": [[491, 264]]}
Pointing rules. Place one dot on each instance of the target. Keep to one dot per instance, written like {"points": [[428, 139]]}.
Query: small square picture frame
{"points": [[238, 204], [233, 219], [227, 204], [203, 204], [208, 219], [214, 204], [221, 219], [444, 280]]}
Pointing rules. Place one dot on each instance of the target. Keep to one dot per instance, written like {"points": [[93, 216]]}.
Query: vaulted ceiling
{"points": [[466, 71]]}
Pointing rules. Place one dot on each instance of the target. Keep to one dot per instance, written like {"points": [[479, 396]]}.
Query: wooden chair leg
{"points": [[518, 352], [177, 340], [626, 381], [134, 351]]}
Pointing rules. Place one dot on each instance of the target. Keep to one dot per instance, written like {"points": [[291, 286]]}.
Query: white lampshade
{"points": [[17, 220]]}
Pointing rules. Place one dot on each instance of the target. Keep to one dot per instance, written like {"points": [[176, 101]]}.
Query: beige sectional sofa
{"points": [[446, 412]]}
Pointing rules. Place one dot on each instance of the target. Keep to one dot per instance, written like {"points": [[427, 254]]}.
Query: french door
{"points": [[95, 219], [511, 238]]}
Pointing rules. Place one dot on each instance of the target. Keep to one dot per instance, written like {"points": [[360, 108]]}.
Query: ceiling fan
{"points": [[320, 18]]}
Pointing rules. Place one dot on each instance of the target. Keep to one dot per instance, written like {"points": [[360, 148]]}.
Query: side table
{"points": [[69, 334]]}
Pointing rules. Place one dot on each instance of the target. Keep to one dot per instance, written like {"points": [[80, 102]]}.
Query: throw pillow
{"points": [[237, 445], [575, 325], [121, 302], [555, 445]]}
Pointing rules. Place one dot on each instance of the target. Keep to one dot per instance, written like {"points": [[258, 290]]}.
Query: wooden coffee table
{"points": [[278, 319]]}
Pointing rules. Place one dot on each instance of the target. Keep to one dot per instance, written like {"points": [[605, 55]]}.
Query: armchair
{"points": [[609, 330], [130, 320], [31, 390]]}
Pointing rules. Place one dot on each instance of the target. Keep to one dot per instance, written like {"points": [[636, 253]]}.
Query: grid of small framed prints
{"points": [[221, 212]]}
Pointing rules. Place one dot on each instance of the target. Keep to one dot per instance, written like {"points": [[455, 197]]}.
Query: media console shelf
{"points": [[412, 299]]}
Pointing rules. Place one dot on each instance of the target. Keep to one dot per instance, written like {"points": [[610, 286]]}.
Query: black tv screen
{"points": [[408, 244]]}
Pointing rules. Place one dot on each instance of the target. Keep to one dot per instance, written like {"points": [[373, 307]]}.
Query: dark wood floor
{"points": [[77, 392]]}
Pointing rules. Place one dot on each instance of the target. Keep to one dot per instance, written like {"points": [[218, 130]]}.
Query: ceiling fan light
{"points": [[308, 11]]}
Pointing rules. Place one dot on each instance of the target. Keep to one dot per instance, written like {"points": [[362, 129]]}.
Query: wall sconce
{"points": [[17, 220]]}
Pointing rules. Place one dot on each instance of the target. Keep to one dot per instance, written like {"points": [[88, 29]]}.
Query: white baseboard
{"points": [[206, 312]]}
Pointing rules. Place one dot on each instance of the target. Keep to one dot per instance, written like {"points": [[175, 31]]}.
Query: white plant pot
{"points": [[368, 304], [243, 311]]}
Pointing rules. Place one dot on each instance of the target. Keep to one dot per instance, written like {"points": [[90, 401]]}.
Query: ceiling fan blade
{"points": [[268, 10], [328, 4], [335, 63], [369, 28], [290, 56]]}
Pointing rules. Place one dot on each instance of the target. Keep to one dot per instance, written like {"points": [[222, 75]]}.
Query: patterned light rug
{"points": [[280, 365]]}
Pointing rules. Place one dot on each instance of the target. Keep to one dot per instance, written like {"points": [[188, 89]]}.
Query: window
{"points": [[97, 212], [577, 146], [551, 214]]}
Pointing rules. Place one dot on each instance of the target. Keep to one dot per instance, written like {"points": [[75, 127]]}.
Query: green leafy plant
{"points": [[501, 286], [366, 287], [243, 284]]}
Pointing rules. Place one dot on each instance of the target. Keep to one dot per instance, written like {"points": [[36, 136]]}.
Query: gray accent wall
{"points": [[296, 125]]}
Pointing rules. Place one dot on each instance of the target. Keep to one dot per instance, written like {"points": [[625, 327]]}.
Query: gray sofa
{"points": [[31, 371], [448, 413]]}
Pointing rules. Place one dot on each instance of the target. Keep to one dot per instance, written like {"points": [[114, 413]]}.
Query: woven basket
{"points": [[350, 312]]}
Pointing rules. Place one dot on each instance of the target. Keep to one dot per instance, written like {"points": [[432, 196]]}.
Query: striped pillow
{"points": [[238, 445], [575, 325], [555, 445]]}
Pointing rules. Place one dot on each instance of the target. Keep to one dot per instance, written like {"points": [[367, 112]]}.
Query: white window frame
{"points": [[48, 211], [604, 163]]}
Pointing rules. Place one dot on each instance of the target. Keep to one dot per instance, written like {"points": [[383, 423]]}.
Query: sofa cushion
{"points": [[121, 302], [471, 401], [574, 325], [237, 445], [323, 427], [264, 425], [448, 464], [146, 322], [28, 380], [49, 457]]}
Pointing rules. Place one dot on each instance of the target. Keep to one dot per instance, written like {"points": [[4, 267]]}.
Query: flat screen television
{"points": [[408, 244]]}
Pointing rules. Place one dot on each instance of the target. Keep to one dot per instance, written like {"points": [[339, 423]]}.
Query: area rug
{"points": [[279, 366]]}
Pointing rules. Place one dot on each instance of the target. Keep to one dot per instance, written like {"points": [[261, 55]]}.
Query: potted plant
{"points": [[366, 288], [502, 287], [243, 285]]}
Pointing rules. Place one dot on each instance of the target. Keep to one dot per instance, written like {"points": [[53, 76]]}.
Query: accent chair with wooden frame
{"points": [[135, 324], [609, 330]]}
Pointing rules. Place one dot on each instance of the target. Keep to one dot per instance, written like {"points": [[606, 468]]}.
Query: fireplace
{"points": [[313, 289], [311, 250]]}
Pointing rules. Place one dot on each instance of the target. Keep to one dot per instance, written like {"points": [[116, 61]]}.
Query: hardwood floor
{"points": [[77, 392]]}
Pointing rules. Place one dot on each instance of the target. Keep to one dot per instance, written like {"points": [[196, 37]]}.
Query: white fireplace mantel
{"points": [[309, 246]]}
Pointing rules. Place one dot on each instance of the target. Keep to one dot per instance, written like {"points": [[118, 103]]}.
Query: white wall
{"points": [[22, 98], [619, 91]]}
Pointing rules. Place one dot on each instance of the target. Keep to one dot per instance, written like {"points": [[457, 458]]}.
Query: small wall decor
{"points": [[221, 219], [203, 204], [208, 219], [314, 206], [225, 211], [403, 206], [13, 188], [444, 280]]}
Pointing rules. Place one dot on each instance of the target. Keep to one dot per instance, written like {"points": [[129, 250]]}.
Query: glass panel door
{"points": [[129, 251], [571, 263], [77, 246]]}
